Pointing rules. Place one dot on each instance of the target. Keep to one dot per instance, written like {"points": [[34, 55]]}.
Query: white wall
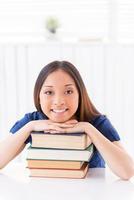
{"points": [[107, 71]]}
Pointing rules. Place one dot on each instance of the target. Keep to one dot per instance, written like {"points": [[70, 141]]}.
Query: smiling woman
{"points": [[63, 106], [59, 101], [59, 82]]}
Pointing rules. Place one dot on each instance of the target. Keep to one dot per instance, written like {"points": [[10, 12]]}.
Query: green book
{"points": [[60, 154]]}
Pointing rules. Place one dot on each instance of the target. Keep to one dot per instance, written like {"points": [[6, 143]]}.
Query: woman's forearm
{"points": [[13, 144], [116, 157]]}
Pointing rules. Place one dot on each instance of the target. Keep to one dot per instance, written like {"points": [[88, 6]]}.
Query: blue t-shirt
{"points": [[101, 123]]}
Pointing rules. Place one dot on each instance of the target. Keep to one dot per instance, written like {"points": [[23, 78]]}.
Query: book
{"points": [[60, 140], [57, 164], [60, 173], [60, 154]]}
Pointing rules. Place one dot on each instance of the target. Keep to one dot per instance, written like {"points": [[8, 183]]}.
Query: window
{"points": [[110, 20], [78, 18], [125, 21]]}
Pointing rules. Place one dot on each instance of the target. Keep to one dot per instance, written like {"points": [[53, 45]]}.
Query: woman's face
{"points": [[59, 97]]}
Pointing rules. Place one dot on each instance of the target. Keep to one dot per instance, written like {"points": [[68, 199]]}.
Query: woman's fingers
{"points": [[72, 121], [62, 125], [58, 129], [55, 128], [55, 131], [66, 125]]}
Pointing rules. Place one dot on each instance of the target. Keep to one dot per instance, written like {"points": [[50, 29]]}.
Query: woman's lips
{"points": [[59, 110]]}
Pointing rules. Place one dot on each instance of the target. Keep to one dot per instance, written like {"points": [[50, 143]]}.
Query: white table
{"points": [[99, 184]]}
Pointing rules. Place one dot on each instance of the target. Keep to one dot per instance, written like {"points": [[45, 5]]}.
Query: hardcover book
{"points": [[60, 173], [57, 164], [60, 140], [60, 154]]}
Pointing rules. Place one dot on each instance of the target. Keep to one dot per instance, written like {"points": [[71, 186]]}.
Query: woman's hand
{"points": [[85, 127], [78, 127], [50, 126]]}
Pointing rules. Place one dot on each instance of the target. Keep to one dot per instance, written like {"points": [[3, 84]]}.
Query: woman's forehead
{"points": [[59, 76]]}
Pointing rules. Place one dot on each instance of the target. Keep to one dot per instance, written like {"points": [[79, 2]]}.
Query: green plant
{"points": [[52, 23]]}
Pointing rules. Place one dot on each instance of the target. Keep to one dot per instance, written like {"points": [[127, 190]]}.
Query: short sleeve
{"points": [[103, 124], [19, 124]]}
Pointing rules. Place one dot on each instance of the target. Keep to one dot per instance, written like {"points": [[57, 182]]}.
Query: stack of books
{"points": [[59, 155]]}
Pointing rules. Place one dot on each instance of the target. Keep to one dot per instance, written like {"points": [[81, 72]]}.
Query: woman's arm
{"points": [[113, 153], [15, 143]]}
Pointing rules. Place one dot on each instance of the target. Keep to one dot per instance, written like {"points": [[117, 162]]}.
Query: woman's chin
{"points": [[58, 120]]}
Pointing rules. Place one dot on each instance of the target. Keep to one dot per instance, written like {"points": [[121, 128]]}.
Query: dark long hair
{"points": [[86, 110]]}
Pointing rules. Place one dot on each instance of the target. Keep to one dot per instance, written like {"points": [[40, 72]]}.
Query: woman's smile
{"points": [[59, 101], [59, 110]]}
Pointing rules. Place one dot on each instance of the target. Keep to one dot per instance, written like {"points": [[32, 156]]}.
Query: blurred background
{"points": [[97, 36]]}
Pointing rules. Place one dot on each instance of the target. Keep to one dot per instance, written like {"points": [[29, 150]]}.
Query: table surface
{"points": [[15, 184]]}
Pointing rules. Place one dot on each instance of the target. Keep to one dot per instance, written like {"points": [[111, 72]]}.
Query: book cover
{"points": [[60, 154], [57, 164], [60, 140], [60, 173]]}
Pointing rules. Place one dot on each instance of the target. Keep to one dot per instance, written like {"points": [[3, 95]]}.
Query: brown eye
{"points": [[48, 92], [69, 92]]}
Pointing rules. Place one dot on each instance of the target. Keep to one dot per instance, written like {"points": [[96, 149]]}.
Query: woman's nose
{"points": [[59, 100]]}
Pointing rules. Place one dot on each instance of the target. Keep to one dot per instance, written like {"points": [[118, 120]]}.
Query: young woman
{"points": [[63, 105]]}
